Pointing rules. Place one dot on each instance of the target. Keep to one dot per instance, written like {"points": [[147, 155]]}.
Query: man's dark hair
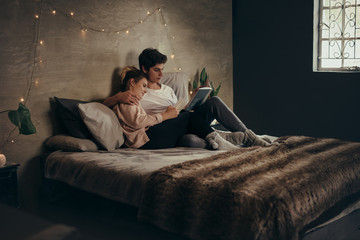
{"points": [[150, 57]]}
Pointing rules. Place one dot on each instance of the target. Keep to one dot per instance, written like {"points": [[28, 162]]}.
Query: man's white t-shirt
{"points": [[158, 100]]}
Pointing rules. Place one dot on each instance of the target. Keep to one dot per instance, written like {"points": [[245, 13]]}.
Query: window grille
{"points": [[337, 35]]}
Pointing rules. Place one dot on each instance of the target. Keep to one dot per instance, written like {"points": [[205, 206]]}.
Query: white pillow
{"points": [[179, 82], [103, 124]]}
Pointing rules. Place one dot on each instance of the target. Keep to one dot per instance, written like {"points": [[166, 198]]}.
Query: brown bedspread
{"points": [[253, 193]]}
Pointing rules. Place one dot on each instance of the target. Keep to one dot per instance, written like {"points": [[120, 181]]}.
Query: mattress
{"points": [[119, 175]]}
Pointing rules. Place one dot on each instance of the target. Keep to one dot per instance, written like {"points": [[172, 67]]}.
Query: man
{"points": [[160, 96], [151, 62]]}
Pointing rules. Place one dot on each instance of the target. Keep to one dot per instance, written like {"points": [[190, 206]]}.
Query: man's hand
{"points": [[127, 98], [122, 97]]}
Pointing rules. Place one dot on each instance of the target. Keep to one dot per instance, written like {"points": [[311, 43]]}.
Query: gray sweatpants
{"points": [[215, 108]]}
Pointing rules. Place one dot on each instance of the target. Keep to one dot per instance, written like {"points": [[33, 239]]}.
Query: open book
{"points": [[198, 98]]}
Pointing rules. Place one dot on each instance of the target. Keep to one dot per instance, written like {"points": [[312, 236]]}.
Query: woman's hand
{"points": [[171, 112]]}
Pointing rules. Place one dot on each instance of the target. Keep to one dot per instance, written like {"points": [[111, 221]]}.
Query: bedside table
{"points": [[8, 184]]}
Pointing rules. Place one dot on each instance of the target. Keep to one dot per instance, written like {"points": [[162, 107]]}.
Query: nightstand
{"points": [[8, 184]]}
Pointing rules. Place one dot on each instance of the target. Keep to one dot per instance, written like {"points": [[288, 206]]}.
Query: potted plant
{"points": [[204, 82]]}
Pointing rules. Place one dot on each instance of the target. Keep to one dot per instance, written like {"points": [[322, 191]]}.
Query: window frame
{"points": [[317, 33]]}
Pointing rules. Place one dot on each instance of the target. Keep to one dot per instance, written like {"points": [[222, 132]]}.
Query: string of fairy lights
{"points": [[71, 15], [127, 29], [29, 82]]}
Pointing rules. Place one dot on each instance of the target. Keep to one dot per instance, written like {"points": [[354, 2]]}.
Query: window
{"points": [[336, 35]]}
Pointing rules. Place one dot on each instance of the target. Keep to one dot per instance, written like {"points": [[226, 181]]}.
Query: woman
{"points": [[160, 130]]}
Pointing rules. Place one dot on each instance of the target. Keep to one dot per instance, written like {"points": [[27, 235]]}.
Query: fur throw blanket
{"points": [[253, 193]]}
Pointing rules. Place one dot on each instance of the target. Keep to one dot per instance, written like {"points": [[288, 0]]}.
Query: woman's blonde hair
{"points": [[128, 73]]}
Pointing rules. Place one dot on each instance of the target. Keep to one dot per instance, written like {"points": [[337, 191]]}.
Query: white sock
{"points": [[235, 138], [251, 139], [217, 142]]}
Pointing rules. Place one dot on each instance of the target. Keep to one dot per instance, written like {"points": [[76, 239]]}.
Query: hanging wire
{"points": [[29, 82], [170, 40], [83, 26], [126, 29], [35, 56]]}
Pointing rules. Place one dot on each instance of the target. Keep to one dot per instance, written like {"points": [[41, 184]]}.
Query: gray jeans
{"points": [[215, 108]]}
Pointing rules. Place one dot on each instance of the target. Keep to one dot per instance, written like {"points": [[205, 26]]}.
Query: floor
{"points": [[347, 228], [98, 218], [103, 219], [108, 221]]}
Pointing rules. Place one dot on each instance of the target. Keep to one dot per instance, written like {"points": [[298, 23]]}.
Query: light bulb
{"points": [[148, 12], [103, 30], [41, 42], [22, 99], [12, 141], [72, 13], [172, 56], [127, 31], [36, 15], [118, 32], [179, 68], [54, 11]]}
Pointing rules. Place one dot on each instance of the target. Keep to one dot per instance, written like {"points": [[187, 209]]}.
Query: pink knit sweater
{"points": [[135, 122]]}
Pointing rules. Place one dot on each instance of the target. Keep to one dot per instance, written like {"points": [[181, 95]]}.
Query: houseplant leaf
{"points": [[203, 77], [215, 91], [14, 117], [195, 84], [22, 119]]}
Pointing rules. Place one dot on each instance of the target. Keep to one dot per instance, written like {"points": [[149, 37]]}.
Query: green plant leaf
{"points": [[22, 119], [218, 89], [14, 117], [215, 91], [195, 84], [203, 77]]}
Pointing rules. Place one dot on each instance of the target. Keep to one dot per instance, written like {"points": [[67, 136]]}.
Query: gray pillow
{"points": [[70, 144], [103, 125], [69, 113]]}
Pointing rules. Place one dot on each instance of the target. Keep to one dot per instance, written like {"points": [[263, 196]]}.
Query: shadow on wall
{"points": [[131, 60], [115, 81]]}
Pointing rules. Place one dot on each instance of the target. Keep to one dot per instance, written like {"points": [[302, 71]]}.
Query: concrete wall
{"points": [[76, 64]]}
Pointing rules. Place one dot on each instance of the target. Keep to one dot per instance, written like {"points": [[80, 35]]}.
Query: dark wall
{"points": [[275, 90]]}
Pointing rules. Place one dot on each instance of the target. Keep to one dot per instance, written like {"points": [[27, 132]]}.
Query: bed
{"points": [[289, 190]]}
